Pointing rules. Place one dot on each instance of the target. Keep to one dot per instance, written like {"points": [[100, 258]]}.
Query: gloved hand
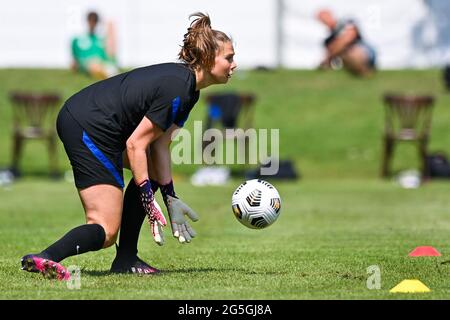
{"points": [[180, 227], [154, 213], [157, 224], [177, 210]]}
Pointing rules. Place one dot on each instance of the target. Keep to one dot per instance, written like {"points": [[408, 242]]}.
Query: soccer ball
{"points": [[256, 204]]}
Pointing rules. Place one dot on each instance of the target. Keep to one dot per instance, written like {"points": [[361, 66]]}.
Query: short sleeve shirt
{"points": [[110, 110], [88, 47], [340, 27]]}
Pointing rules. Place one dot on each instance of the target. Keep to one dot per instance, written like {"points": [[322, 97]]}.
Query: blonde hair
{"points": [[201, 42]]}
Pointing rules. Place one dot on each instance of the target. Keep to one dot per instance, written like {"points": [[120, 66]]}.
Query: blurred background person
{"points": [[345, 46], [93, 54]]}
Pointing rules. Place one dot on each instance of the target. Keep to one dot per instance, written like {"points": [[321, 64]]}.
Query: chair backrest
{"points": [[34, 112], [408, 117], [229, 108]]}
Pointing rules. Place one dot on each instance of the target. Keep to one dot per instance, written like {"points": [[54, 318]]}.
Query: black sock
{"points": [[133, 216], [85, 238]]}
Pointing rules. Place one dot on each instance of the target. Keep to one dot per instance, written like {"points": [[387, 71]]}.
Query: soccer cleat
{"points": [[135, 265], [27, 263], [48, 268]]}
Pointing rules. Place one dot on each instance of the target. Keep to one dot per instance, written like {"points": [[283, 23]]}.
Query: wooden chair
{"points": [[34, 119], [407, 118]]}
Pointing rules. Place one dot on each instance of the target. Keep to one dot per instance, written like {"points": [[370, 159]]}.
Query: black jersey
{"points": [[337, 31], [110, 110]]}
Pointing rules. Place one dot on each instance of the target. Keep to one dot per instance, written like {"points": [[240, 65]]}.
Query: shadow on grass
{"points": [[103, 273]]}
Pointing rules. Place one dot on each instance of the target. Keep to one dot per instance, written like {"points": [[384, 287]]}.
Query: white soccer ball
{"points": [[256, 204]]}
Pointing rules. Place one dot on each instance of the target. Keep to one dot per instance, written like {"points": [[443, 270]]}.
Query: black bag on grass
{"points": [[447, 77], [286, 171], [438, 165]]}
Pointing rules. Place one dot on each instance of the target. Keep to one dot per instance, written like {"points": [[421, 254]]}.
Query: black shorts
{"points": [[90, 162]]}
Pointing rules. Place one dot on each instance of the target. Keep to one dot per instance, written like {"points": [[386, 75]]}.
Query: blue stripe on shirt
{"points": [[102, 158]]}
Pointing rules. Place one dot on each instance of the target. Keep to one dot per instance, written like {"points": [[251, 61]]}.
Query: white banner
{"points": [[405, 33]]}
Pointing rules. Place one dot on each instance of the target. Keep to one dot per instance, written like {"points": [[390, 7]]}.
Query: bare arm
{"points": [[160, 156], [145, 133], [177, 210], [111, 40]]}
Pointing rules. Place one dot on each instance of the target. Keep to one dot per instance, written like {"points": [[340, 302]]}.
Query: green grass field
{"points": [[339, 219]]}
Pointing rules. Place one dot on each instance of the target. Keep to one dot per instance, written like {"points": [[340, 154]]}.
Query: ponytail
{"points": [[201, 42]]}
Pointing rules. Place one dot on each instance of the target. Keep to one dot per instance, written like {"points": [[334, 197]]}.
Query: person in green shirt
{"points": [[93, 54]]}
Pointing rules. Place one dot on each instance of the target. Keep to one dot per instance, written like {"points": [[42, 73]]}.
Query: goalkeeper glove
{"points": [[153, 210], [177, 210]]}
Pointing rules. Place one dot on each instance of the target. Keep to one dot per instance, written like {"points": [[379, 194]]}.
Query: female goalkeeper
{"points": [[128, 120]]}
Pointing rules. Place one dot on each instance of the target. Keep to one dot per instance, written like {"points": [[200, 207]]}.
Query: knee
{"points": [[110, 238], [96, 70], [109, 234]]}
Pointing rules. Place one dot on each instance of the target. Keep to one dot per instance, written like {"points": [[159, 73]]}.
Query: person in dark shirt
{"points": [[129, 121], [346, 46]]}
